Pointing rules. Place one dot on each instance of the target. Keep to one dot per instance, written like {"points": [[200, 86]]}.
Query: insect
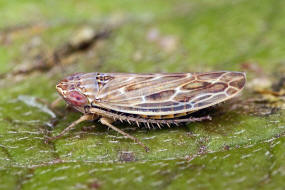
{"points": [[150, 99]]}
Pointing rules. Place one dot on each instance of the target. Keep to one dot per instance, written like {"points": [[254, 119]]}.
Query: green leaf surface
{"points": [[239, 148]]}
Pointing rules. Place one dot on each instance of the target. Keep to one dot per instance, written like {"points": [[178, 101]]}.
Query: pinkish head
{"points": [[73, 91]]}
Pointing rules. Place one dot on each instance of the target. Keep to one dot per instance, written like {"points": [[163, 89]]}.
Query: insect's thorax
{"points": [[89, 84]]}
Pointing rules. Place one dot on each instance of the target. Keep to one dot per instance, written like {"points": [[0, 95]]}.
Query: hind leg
{"points": [[107, 122]]}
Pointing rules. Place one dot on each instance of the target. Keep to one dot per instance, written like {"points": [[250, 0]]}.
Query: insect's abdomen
{"points": [[170, 116]]}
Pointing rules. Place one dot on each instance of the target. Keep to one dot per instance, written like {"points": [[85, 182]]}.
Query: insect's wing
{"points": [[164, 94]]}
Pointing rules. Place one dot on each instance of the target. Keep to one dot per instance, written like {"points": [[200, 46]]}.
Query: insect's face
{"points": [[74, 92]]}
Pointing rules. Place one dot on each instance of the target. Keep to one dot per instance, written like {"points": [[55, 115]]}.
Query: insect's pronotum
{"points": [[151, 99]]}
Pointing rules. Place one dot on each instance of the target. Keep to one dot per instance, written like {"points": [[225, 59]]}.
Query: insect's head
{"points": [[72, 91]]}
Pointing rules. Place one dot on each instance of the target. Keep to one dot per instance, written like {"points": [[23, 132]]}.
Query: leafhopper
{"points": [[149, 99]]}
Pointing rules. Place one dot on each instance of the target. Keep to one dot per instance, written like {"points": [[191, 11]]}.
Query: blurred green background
{"points": [[42, 41]]}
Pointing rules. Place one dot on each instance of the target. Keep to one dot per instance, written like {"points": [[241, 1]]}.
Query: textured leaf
{"points": [[241, 148]]}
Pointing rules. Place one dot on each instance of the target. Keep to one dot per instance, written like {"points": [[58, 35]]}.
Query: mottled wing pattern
{"points": [[164, 94]]}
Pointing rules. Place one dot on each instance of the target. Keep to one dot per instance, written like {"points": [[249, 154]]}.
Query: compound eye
{"points": [[76, 98]]}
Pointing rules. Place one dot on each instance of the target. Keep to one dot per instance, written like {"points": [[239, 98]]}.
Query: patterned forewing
{"points": [[164, 94]]}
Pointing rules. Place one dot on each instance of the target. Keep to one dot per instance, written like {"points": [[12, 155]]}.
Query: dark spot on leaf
{"points": [[226, 147], [125, 156], [94, 185]]}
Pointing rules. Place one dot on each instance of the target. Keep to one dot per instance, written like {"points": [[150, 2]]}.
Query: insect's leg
{"points": [[72, 125], [106, 121], [55, 102], [194, 119]]}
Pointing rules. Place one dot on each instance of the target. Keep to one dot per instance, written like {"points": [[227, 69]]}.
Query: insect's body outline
{"points": [[160, 98]]}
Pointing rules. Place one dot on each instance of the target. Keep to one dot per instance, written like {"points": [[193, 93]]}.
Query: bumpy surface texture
{"points": [[41, 42]]}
